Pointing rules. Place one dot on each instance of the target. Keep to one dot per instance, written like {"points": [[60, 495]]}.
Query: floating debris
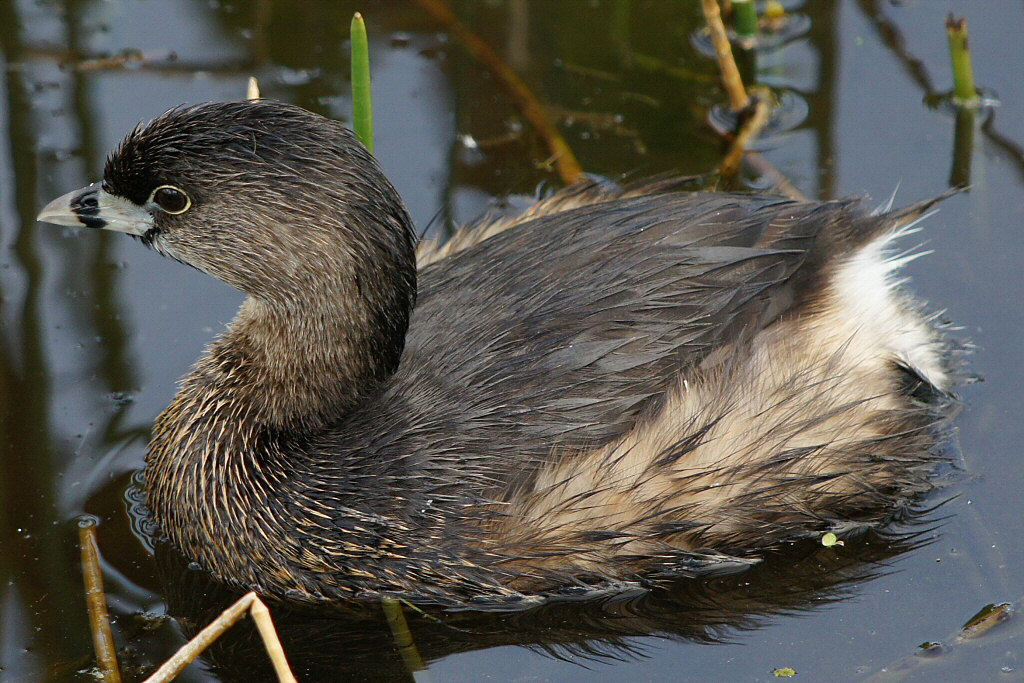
{"points": [[986, 619], [830, 539]]}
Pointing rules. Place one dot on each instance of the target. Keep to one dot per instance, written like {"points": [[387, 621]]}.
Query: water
{"points": [[95, 329]]}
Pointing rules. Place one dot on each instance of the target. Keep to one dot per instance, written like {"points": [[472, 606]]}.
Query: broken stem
{"points": [[964, 91], [250, 602]]}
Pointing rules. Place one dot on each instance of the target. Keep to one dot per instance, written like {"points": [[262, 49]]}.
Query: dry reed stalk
{"points": [[99, 618], [251, 603], [738, 99], [750, 129]]}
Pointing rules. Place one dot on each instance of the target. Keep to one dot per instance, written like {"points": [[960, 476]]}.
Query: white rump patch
{"points": [[867, 295]]}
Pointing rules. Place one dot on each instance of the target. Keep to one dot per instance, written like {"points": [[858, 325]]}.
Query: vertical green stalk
{"points": [[362, 105], [963, 75], [403, 636], [744, 18]]}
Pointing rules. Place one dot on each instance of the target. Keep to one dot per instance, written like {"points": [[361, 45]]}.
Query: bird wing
{"points": [[560, 332]]}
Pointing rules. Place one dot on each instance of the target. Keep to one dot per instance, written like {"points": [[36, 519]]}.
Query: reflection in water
{"points": [[353, 641], [35, 557]]}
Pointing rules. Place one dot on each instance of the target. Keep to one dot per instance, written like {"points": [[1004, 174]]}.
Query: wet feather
{"points": [[617, 383]]}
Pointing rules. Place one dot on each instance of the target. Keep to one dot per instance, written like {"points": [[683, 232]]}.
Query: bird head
{"points": [[268, 197]]}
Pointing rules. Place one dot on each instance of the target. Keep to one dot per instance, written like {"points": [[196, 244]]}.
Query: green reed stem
{"points": [[964, 91], [362, 104], [744, 17]]}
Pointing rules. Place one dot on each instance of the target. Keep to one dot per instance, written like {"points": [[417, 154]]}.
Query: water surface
{"points": [[95, 330]]}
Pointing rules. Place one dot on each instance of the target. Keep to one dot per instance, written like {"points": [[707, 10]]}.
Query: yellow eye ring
{"points": [[171, 199]]}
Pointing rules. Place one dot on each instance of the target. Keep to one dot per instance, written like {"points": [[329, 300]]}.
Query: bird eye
{"points": [[171, 199]]}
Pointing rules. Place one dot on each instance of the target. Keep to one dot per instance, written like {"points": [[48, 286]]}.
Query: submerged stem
{"points": [[96, 599]]}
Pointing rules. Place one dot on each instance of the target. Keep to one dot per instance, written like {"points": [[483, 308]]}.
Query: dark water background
{"points": [[94, 330]]}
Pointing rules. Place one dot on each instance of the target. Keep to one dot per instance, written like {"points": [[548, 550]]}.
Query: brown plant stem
{"points": [[750, 129], [251, 603], [731, 79], [99, 618], [568, 167]]}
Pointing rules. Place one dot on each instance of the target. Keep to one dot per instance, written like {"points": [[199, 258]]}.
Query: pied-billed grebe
{"points": [[617, 384]]}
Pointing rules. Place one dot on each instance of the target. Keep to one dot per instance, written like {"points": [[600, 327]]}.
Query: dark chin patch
{"points": [[86, 207], [149, 238]]}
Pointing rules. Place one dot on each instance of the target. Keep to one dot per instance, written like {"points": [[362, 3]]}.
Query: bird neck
{"points": [[225, 449], [297, 365]]}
